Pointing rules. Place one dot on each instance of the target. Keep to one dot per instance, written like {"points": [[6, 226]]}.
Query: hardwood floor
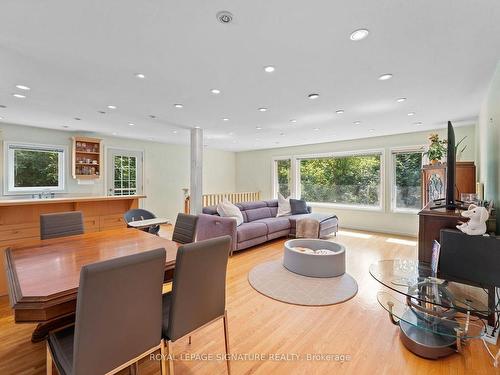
{"points": [[258, 325]]}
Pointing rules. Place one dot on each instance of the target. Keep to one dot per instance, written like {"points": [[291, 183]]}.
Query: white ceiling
{"points": [[80, 56]]}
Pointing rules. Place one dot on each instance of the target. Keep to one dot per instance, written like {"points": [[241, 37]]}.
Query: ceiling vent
{"points": [[225, 17]]}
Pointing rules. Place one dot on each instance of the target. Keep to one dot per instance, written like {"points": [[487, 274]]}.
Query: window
{"points": [[283, 177], [349, 179], [407, 180], [33, 168]]}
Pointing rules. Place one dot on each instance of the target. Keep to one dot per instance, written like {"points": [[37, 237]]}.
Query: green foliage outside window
{"points": [[353, 180], [283, 170], [35, 168], [408, 180]]}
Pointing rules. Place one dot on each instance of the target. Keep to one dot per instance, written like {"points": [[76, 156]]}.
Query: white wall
{"points": [[488, 141], [166, 166], [254, 173]]}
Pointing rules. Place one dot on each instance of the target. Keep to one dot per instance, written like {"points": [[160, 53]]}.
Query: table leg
{"points": [[42, 329]]}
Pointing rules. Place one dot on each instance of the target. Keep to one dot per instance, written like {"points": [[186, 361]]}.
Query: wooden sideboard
{"points": [[434, 180], [20, 219]]}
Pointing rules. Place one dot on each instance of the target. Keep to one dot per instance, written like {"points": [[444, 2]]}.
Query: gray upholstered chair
{"points": [[198, 294], [118, 317], [185, 228], [141, 214], [61, 224]]}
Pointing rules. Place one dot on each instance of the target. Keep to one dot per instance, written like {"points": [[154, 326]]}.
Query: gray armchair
{"points": [[118, 317]]}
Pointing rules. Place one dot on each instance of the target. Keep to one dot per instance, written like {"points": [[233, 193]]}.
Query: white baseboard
{"points": [[378, 230]]}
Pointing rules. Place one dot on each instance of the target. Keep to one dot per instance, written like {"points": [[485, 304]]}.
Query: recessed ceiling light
{"points": [[339, 111], [262, 109], [269, 69], [152, 117], [140, 75], [293, 120], [316, 129], [371, 130], [22, 87], [417, 123], [225, 119], [359, 34], [215, 91], [258, 128], [178, 105], [1, 118], [282, 134], [174, 131], [411, 114], [131, 124], [385, 77], [313, 96], [197, 127], [112, 106], [357, 122], [114, 133], [77, 118], [65, 126], [400, 100], [20, 96]]}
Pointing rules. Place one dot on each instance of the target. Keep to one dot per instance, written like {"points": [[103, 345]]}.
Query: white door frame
{"points": [[107, 151]]}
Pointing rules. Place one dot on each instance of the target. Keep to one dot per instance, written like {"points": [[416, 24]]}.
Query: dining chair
{"points": [[118, 317], [198, 296], [185, 228], [61, 224], [141, 214]]}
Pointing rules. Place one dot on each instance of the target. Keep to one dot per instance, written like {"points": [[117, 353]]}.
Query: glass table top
{"points": [[413, 279], [443, 326]]}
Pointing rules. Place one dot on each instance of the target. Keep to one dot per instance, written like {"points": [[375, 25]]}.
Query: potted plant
{"points": [[437, 148]]}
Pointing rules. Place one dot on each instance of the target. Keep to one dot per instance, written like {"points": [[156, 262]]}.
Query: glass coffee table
{"points": [[436, 317]]}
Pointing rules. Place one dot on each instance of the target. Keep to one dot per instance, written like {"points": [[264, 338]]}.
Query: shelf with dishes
{"points": [[87, 156]]}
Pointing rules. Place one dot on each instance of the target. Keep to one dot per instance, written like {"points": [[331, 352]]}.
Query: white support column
{"points": [[196, 188]]}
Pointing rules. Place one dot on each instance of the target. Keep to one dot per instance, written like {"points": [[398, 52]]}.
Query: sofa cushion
{"points": [[210, 210], [274, 211], [258, 213], [247, 231], [284, 208], [272, 203], [275, 224], [298, 206], [251, 205], [227, 209]]}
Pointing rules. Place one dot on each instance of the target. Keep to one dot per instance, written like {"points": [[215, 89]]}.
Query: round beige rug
{"points": [[275, 281]]}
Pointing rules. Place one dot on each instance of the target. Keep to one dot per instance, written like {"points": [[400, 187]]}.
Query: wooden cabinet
{"points": [[87, 158], [434, 180]]}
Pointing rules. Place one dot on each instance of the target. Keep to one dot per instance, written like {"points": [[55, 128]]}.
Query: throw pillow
{"points": [[298, 206], [227, 209], [283, 206]]}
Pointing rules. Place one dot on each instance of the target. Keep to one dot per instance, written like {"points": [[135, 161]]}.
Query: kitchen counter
{"points": [[90, 198]]}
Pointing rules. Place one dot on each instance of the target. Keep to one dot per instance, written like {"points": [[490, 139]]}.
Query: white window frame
{"points": [[274, 179], [295, 175], [10, 147], [392, 176]]}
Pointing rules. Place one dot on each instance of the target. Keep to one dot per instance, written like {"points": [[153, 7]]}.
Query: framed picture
{"points": [[436, 249]]}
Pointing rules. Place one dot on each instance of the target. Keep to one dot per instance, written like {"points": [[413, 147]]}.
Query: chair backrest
{"points": [[185, 228], [137, 214], [199, 286], [118, 311], [61, 224]]}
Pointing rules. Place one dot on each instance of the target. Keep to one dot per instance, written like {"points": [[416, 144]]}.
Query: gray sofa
{"points": [[260, 224]]}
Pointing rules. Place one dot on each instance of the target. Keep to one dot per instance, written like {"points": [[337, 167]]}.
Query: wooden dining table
{"points": [[43, 278]]}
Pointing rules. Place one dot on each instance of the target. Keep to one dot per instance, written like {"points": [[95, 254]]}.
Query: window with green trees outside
{"points": [[407, 186], [283, 177], [347, 179]]}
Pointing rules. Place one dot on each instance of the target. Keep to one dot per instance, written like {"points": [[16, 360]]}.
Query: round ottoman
{"points": [[314, 265]]}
